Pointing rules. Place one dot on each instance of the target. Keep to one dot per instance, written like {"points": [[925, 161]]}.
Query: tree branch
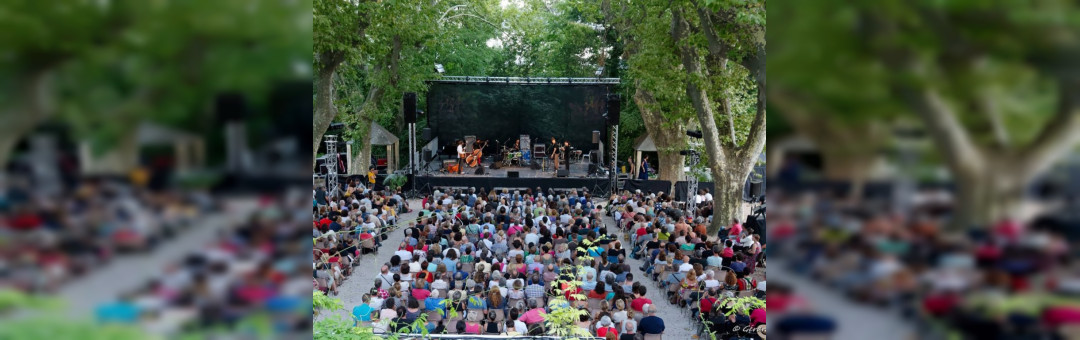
{"points": [[1059, 135]]}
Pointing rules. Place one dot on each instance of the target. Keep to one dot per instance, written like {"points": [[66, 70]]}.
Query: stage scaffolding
{"points": [[527, 80]]}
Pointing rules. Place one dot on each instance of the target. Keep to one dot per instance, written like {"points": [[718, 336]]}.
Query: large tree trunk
{"points": [[325, 110], [842, 165], [668, 135], [34, 104], [727, 201], [730, 164], [988, 195]]}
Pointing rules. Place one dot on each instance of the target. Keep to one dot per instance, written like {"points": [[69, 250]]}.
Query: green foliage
{"points": [[319, 301], [742, 305], [394, 181], [119, 62], [45, 322]]}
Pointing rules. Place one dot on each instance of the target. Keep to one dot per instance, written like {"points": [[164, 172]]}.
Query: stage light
{"points": [[439, 68], [599, 71], [694, 133]]}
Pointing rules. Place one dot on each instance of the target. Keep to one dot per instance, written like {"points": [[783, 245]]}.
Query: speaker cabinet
{"points": [[513, 174], [408, 106], [230, 106], [426, 134], [562, 173], [595, 136], [613, 109], [755, 189]]}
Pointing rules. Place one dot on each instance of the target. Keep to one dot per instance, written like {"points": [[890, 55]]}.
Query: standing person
{"points": [[566, 151], [460, 155], [555, 153], [371, 177], [643, 170]]}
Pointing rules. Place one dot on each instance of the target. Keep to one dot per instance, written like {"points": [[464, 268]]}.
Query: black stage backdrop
{"points": [[504, 112]]}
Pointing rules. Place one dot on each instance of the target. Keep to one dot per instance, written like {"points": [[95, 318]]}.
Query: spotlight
{"points": [[439, 68], [694, 133], [599, 71]]}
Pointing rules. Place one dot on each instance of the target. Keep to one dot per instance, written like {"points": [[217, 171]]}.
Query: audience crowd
{"points": [[492, 262], [1002, 281], [251, 269], [50, 239]]}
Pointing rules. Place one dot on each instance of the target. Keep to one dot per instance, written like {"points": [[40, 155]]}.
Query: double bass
{"points": [[473, 159]]}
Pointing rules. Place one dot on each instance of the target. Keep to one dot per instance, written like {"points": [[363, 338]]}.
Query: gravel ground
{"points": [[677, 321]]}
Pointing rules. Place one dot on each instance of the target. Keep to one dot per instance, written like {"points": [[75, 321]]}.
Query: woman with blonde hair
{"points": [[621, 313]]}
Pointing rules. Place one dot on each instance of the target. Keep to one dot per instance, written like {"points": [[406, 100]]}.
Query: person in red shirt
{"points": [[707, 303], [736, 229], [639, 299]]}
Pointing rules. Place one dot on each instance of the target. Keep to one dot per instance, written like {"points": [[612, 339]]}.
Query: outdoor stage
{"points": [[527, 178]]}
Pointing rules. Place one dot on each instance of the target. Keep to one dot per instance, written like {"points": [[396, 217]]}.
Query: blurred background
{"points": [[150, 168], [924, 169]]}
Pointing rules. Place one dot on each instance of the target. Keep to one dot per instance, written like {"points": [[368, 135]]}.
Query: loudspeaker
{"points": [[428, 155], [595, 136], [755, 189], [480, 169], [230, 106], [513, 174], [562, 173], [426, 134], [613, 109], [408, 106], [594, 157]]}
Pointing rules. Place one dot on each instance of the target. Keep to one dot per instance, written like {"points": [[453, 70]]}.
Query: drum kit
{"points": [[516, 153]]}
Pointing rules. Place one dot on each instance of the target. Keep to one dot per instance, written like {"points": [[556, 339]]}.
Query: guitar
{"points": [[474, 159]]}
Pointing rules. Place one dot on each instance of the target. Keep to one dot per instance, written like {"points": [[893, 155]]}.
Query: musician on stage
{"points": [[566, 152], [553, 150], [460, 155]]}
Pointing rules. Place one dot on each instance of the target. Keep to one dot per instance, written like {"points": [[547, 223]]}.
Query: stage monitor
{"points": [[504, 112]]}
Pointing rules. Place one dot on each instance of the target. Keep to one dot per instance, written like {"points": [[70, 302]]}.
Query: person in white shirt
{"points": [[405, 255], [710, 281], [461, 155]]}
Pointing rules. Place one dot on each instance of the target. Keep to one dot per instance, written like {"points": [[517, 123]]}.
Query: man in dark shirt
{"points": [[336, 224], [651, 324], [320, 196]]}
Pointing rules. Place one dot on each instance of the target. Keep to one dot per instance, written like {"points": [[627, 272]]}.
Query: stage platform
{"points": [[577, 170], [527, 178]]}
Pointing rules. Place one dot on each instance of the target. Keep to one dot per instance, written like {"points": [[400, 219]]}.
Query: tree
{"points": [[42, 39], [687, 45], [105, 66], [171, 78], [339, 30], [995, 85]]}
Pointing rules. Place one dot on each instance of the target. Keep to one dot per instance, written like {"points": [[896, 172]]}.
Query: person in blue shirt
{"points": [[122, 311], [477, 301], [434, 303], [738, 265], [651, 324], [363, 311]]}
